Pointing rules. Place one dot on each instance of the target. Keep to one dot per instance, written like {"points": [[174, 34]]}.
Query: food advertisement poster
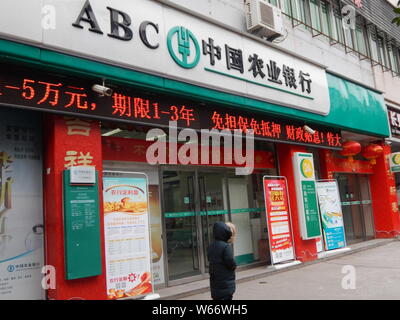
{"points": [[331, 214], [306, 193], [279, 227], [127, 236], [156, 233], [21, 210]]}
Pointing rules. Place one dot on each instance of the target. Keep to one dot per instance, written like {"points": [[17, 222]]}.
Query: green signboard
{"points": [[307, 202], [81, 229], [311, 209]]}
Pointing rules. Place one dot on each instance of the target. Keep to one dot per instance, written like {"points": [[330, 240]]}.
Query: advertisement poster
{"points": [[279, 228], [21, 210], [156, 233], [127, 236], [394, 162], [331, 214], [307, 202]]}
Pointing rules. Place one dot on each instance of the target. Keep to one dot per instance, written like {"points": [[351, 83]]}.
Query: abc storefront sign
{"points": [[307, 203], [154, 38]]}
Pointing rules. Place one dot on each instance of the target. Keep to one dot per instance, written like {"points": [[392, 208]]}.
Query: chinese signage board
{"points": [[307, 203], [21, 209], [127, 236], [30, 89], [81, 229], [82, 175], [331, 214], [394, 121], [278, 219], [157, 39], [394, 162]]}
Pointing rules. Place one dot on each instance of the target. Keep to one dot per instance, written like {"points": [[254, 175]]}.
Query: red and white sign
{"points": [[278, 220]]}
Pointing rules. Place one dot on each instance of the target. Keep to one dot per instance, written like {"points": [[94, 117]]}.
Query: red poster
{"points": [[279, 227]]}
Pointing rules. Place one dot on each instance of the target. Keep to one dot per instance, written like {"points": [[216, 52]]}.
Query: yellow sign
{"points": [[306, 168]]}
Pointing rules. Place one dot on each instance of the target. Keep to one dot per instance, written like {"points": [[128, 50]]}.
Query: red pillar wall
{"points": [[68, 141], [384, 198], [305, 250], [382, 185]]}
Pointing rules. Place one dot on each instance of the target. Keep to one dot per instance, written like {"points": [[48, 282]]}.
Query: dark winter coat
{"points": [[222, 264]]}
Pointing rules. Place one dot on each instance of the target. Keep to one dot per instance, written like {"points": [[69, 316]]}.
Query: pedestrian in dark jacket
{"points": [[222, 263]]}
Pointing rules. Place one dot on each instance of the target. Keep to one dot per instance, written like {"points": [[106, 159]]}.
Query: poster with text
{"points": [[331, 214], [21, 209], [278, 219], [306, 194], [156, 235], [127, 236]]}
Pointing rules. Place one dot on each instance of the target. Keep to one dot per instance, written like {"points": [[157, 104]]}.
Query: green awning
{"points": [[357, 108], [353, 107]]}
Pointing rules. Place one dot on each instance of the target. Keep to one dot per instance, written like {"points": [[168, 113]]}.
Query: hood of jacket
{"points": [[221, 231]]}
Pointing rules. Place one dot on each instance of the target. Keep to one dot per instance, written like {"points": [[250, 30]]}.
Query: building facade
{"points": [[321, 90]]}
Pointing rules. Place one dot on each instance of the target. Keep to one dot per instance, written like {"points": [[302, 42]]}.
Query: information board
{"points": [[127, 235], [331, 214], [307, 203], [278, 219], [82, 229]]}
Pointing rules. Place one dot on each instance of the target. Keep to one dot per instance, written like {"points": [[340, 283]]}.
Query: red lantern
{"points": [[350, 149], [371, 152]]}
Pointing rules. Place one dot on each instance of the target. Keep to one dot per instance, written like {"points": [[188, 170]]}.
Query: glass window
{"points": [[383, 57], [326, 18], [337, 30], [374, 45], [360, 39], [315, 17], [394, 62], [295, 9], [349, 37], [273, 2]]}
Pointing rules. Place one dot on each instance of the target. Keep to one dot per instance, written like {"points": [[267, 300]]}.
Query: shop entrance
{"points": [[357, 207], [193, 200]]}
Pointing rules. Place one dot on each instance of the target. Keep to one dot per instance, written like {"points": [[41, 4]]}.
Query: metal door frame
{"points": [[357, 182], [201, 250]]}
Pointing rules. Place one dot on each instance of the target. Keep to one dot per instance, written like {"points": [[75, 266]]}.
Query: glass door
{"points": [[213, 205], [193, 201], [356, 206], [181, 224], [366, 205]]}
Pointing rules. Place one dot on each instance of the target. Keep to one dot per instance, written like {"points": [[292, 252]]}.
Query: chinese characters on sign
{"points": [[127, 236], [75, 98], [394, 121], [235, 60], [279, 227]]}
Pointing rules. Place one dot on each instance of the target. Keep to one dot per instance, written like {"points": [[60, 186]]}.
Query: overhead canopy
{"points": [[353, 107]]}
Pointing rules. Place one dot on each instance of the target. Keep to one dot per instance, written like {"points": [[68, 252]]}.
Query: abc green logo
{"points": [[183, 47], [396, 159], [306, 168]]}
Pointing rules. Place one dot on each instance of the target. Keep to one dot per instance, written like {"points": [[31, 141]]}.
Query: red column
{"points": [[384, 199], [68, 141], [306, 250]]}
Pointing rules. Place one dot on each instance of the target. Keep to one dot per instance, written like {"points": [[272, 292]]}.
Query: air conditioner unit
{"points": [[264, 19]]}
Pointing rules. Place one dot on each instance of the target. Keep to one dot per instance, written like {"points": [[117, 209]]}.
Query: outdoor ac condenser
{"points": [[264, 19]]}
